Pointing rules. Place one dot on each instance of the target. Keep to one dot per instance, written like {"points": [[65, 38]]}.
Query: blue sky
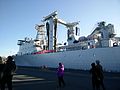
{"points": [[18, 18]]}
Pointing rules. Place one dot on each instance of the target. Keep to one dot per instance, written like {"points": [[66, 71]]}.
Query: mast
{"points": [[51, 30]]}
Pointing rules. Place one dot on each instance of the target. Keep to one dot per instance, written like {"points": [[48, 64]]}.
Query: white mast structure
{"points": [[51, 34], [71, 31], [50, 27], [40, 37]]}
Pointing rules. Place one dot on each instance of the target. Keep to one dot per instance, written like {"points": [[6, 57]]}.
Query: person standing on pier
{"points": [[1, 71], [100, 74], [8, 71], [60, 74], [95, 77]]}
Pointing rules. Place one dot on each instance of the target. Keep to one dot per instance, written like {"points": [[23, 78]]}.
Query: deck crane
{"points": [[51, 26], [70, 26]]}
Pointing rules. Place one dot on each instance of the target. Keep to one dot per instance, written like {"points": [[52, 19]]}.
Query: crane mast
{"points": [[51, 26]]}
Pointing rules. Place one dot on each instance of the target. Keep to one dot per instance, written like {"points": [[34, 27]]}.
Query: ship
{"points": [[77, 53]]}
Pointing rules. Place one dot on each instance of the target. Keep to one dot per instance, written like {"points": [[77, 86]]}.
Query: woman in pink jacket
{"points": [[60, 74]]}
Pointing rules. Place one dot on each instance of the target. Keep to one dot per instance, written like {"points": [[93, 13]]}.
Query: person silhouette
{"points": [[60, 74], [100, 74], [95, 81], [1, 71], [8, 71]]}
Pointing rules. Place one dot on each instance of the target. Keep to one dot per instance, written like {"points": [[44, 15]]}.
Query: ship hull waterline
{"points": [[78, 59]]}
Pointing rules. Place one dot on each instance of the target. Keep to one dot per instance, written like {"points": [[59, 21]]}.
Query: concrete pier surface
{"points": [[37, 79]]}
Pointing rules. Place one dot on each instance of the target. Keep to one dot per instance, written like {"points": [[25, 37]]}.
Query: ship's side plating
{"points": [[79, 59]]}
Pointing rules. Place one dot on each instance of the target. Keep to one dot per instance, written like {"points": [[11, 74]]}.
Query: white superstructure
{"points": [[79, 53]]}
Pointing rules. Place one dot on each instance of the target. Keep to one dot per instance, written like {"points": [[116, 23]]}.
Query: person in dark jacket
{"points": [[60, 74], [1, 71], [95, 77], [8, 70], [100, 73]]}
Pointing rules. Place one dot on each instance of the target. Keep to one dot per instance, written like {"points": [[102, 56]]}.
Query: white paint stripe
{"points": [[28, 83], [18, 80]]}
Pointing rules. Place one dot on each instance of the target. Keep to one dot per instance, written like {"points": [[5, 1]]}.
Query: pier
{"points": [[38, 79]]}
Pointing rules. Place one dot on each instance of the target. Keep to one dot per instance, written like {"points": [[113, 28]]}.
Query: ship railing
{"points": [[45, 51]]}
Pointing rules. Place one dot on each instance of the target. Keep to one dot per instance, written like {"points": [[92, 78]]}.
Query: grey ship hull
{"points": [[78, 59]]}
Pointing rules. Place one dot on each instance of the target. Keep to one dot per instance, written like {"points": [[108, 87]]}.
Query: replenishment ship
{"points": [[78, 53]]}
